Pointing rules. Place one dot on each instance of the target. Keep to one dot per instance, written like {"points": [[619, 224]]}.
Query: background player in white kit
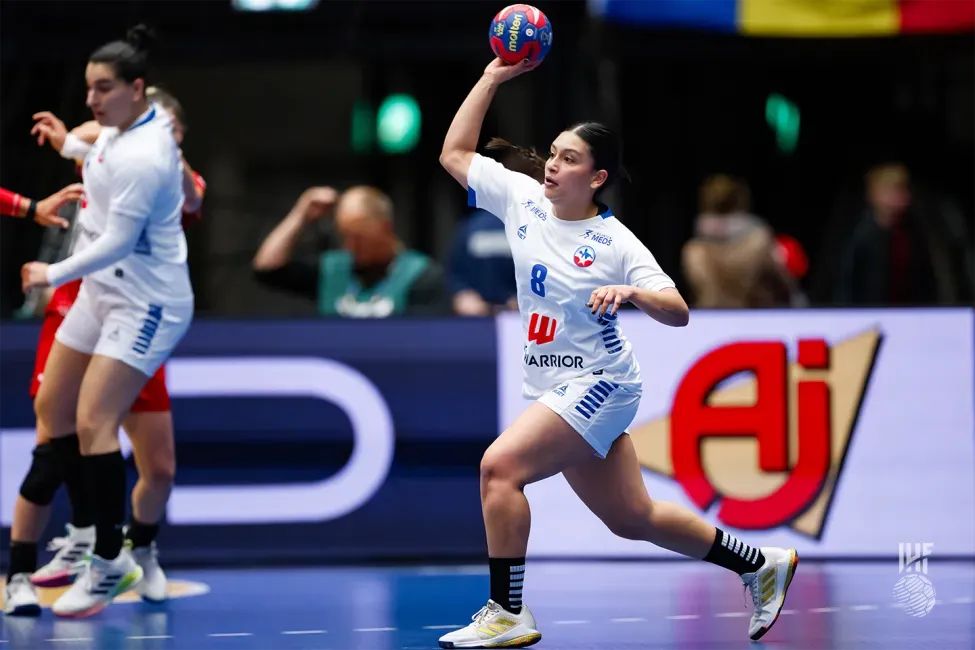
{"points": [[133, 308], [575, 264]]}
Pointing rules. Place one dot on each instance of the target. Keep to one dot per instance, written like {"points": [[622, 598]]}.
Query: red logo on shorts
{"points": [[769, 447], [541, 329]]}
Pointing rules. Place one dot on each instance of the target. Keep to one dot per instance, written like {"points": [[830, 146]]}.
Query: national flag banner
{"points": [[796, 18]]}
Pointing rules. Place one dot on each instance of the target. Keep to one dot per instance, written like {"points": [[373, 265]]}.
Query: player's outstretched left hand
{"points": [[33, 274], [609, 298]]}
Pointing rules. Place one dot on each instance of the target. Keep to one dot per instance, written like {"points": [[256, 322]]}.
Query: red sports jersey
{"points": [[63, 297], [10, 202], [201, 188]]}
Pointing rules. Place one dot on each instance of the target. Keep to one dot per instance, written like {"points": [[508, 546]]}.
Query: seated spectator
{"points": [[482, 273], [733, 260], [374, 275]]}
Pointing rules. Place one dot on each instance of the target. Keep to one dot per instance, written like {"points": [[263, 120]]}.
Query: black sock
{"points": [[23, 558], [731, 553], [507, 582], [141, 534], [70, 455], [105, 477]]}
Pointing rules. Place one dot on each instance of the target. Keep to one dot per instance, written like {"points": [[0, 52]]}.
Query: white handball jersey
{"points": [[558, 264], [137, 174]]}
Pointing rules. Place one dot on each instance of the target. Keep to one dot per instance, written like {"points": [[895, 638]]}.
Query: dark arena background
{"points": [[326, 494]]}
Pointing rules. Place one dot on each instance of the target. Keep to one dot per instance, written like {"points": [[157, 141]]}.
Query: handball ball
{"points": [[520, 32]]}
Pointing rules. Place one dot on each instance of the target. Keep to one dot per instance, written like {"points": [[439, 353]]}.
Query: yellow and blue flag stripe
{"points": [[796, 18]]}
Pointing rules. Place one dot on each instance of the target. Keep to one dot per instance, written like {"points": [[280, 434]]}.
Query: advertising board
{"points": [[842, 433], [306, 441]]}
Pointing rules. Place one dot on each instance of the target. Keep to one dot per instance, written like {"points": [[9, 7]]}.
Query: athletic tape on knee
{"points": [[44, 477]]}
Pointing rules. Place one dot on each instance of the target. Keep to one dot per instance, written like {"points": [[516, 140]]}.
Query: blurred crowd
{"points": [[892, 251]]}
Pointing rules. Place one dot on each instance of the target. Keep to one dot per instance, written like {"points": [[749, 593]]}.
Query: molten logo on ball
{"points": [[520, 32]]}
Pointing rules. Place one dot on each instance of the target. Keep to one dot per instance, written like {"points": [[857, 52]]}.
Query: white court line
{"points": [[732, 615], [628, 620], [146, 638], [787, 612], [570, 622], [863, 608], [374, 629], [304, 632], [961, 601], [442, 627], [229, 634], [824, 610], [76, 639], [683, 617]]}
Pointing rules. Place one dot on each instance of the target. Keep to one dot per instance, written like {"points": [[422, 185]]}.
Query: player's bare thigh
{"points": [[56, 404], [613, 488], [539, 444], [614, 491], [107, 393]]}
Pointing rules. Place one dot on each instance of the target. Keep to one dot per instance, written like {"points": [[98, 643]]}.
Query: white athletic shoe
{"points": [[494, 627], [69, 561], [768, 587], [96, 587], [152, 588], [20, 597]]}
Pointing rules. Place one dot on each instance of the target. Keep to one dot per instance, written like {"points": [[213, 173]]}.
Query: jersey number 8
{"points": [[539, 271]]}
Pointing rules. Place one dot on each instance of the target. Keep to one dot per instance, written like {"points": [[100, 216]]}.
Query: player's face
{"points": [[365, 236], [111, 100], [569, 172]]}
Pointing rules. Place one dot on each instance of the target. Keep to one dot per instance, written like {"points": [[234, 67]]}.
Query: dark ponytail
{"points": [[518, 159], [129, 58]]}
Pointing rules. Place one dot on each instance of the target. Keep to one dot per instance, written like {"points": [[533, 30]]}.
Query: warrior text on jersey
{"points": [[131, 216], [558, 264]]}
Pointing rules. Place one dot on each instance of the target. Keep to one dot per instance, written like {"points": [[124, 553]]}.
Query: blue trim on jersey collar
{"points": [[604, 211], [145, 120]]}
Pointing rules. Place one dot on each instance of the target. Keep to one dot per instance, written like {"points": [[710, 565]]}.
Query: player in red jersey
{"points": [[149, 424]]}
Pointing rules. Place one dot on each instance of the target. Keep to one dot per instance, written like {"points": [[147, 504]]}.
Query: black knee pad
{"points": [[44, 477]]}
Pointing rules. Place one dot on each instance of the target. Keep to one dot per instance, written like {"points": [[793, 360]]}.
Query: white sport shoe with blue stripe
{"points": [[98, 585]]}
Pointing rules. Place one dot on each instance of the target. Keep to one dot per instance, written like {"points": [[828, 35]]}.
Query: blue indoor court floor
{"points": [[594, 605]]}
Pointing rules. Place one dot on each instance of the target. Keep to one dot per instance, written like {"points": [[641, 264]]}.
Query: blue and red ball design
{"points": [[520, 32]]}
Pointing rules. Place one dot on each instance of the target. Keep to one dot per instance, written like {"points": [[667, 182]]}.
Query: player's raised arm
{"points": [[462, 136], [73, 145]]}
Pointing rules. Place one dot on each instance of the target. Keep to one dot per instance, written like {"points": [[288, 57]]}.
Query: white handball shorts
{"points": [[142, 336], [599, 409]]}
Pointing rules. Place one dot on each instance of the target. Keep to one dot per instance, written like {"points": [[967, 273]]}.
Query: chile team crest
{"points": [[584, 256]]}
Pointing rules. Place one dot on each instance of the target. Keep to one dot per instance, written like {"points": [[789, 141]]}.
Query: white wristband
{"points": [[74, 148]]}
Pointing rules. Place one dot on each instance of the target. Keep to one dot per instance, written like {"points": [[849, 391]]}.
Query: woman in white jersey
{"points": [[149, 425], [575, 264], [133, 308]]}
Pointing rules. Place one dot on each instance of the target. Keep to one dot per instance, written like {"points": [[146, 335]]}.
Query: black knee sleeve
{"points": [[45, 476]]}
